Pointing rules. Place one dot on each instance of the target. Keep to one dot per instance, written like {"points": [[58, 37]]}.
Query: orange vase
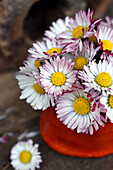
{"points": [[69, 142]]}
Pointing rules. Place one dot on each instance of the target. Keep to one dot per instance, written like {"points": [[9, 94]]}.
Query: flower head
{"points": [[31, 89], [98, 76], [105, 39], [25, 156], [57, 76], [79, 110], [78, 29], [45, 49]]}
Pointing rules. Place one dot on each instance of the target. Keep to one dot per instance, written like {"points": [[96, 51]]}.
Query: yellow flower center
{"points": [[25, 157], [58, 78], [79, 63], [92, 39], [50, 51], [78, 32], [38, 63], [107, 45], [104, 79], [38, 88], [110, 100], [81, 106]]}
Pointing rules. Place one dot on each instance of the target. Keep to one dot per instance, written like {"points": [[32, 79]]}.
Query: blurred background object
{"points": [[23, 22]]}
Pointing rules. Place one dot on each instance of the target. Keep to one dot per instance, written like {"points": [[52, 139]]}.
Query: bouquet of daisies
{"points": [[71, 69]]}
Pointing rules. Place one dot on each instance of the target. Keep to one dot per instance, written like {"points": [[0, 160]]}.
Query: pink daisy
{"points": [[45, 49], [79, 110], [98, 76], [79, 28], [105, 39], [57, 75]]}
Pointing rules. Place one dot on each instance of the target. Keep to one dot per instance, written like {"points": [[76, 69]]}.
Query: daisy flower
{"points": [[98, 76], [57, 75], [83, 57], [25, 156], [45, 49], [79, 28], [107, 101], [105, 39], [34, 94], [57, 28], [79, 110]]}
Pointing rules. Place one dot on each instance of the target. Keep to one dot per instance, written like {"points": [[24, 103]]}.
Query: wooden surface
{"points": [[22, 117]]}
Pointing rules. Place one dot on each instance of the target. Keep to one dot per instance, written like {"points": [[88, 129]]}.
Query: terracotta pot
{"points": [[68, 142]]}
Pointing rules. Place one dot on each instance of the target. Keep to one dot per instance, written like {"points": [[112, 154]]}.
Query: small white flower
{"points": [[79, 110], [98, 76], [57, 76], [25, 156], [45, 49], [80, 27], [105, 39], [34, 94]]}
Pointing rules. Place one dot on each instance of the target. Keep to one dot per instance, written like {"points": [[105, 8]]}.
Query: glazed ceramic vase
{"points": [[69, 142]]}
